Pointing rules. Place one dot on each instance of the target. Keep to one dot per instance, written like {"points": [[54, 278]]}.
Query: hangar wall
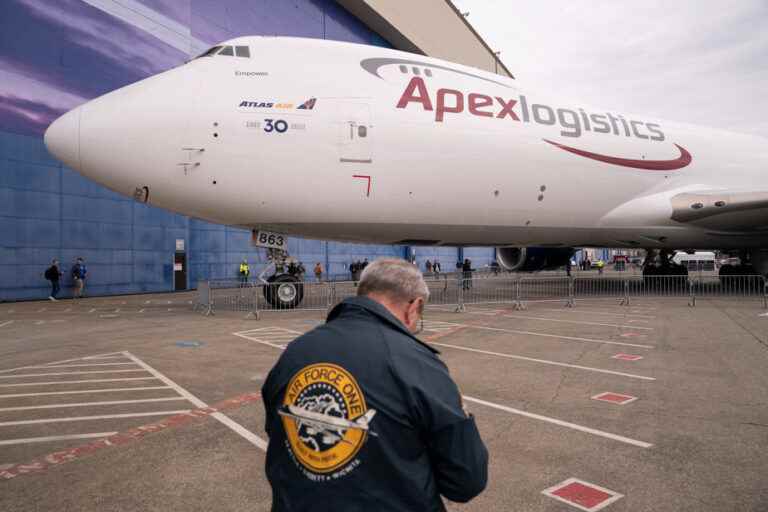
{"points": [[57, 54]]}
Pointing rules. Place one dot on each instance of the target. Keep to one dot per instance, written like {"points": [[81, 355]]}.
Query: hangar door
{"points": [[355, 131]]}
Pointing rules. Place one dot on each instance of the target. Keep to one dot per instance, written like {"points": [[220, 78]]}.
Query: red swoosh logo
{"points": [[684, 159]]}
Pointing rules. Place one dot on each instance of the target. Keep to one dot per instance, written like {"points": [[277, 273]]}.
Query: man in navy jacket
{"points": [[362, 416]]}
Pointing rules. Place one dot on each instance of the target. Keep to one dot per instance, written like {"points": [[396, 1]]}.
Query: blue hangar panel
{"points": [[59, 54]]}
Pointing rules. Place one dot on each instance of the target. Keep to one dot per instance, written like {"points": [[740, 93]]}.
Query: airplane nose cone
{"points": [[62, 138]]}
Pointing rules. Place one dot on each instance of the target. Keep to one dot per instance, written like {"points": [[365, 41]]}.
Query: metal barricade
{"points": [[544, 289], [660, 286], [443, 290], [298, 296], [233, 295], [204, 300], [502, 290], [741, 287], [460, 290], [602, 287]]}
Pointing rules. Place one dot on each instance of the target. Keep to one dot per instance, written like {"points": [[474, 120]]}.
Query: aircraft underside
{"points": [[503, 236]]}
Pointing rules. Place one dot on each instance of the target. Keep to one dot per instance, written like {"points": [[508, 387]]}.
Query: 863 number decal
{"points": [[270, 240]]}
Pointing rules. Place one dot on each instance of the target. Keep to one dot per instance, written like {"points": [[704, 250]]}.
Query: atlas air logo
{"points": [[307, 105], [571, 123]]}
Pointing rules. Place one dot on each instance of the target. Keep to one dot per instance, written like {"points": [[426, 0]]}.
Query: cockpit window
{"points": [[209, 52], [228, 51]]}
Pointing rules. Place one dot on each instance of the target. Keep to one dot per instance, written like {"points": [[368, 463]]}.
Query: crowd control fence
{"points": [[460, 290]]}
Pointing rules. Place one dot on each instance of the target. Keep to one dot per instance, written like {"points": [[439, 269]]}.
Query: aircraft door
{"points": [[355, 130]]}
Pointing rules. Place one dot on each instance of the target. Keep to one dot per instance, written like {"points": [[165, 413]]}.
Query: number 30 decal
{"points": [[279, 126]]}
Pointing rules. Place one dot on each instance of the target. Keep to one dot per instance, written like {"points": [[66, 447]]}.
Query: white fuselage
{"points": [[394, 147]]}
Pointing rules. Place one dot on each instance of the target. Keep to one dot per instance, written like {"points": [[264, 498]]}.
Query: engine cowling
{"points": [[532, 259]]}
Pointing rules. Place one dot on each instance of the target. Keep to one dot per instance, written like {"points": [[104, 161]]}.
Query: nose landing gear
{"points": [[281, 290]]}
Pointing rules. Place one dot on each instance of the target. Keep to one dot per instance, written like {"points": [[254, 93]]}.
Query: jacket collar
{"points": [[378, 310]]}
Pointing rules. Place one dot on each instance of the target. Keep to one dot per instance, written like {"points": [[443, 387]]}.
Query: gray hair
{"points": [[394, 278]]}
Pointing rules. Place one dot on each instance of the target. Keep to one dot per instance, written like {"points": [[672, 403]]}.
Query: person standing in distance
{"points": [[244, 272], [79, 272], [53, 274], [362, 415]]}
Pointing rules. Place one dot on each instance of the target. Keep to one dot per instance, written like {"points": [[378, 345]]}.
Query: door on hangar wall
{"points": [[355, 131], [180, 271]]}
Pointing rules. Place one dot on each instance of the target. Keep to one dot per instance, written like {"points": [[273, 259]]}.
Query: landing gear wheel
{"points": [[284, 291]]}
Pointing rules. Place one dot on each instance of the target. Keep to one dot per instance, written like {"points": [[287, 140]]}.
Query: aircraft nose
{"points": [[62, 138]]}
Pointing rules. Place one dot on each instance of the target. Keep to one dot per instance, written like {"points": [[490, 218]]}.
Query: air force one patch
{"points": [[326, 421]]}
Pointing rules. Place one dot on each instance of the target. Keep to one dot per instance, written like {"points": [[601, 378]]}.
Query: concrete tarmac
{"points": [[691, 435]]}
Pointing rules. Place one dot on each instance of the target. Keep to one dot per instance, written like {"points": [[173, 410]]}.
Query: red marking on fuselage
{"points": [[364, 177], [683, 160]]}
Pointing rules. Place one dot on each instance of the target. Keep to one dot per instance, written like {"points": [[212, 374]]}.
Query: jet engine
{"points": [[532, 259]]}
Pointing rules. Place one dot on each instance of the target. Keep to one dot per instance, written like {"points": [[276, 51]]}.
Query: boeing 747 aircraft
{"points": [[331, 140]]}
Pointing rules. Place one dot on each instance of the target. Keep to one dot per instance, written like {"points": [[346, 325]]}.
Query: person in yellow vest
{"points": [[245, 271]]}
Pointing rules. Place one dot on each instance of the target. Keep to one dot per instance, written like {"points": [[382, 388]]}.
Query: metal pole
{"points": [[625, 299], [210, 306], [254, 313], [692, 293], [460, 294], [518, 304]]}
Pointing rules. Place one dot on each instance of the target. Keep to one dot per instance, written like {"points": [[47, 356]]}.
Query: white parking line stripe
{"points": [[271, 329], [556, 336], [83, 391], [88, 404], [80, 365], [9, 322], [578, 322], [106, 355], [561, 423], [66, 373], [90, 418], [257, 340], [73, 382], [55, 438], [544, 361], [579, 311], [225, 420], [62, 361]]}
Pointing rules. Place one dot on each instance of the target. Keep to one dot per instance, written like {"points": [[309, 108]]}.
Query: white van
{"points": [[698, 261]]}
